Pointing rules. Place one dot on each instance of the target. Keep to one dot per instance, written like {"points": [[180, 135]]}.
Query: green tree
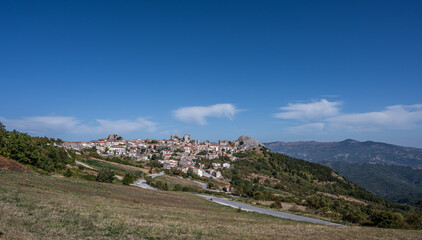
{"points": [[67, 173], [128, 179], [105, 175]]}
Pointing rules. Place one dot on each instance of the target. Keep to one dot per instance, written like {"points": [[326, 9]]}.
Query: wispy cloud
{"points": [[309, 111], [46, 125], [323, 114], [393, 117], [309, 127], [199, 114]]}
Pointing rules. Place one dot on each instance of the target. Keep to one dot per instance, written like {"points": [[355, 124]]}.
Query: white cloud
{"points": [[46, 125], [198, 114], [393, 117], [326, 115], [314, 110]]}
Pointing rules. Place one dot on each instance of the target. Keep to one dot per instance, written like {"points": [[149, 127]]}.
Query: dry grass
{"points": [[173, 180], [9, 164], [43, 207], [350, 199], [127, 167]]}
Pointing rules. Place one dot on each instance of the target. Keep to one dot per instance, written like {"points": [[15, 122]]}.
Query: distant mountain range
{"points": [[389, 171], [350, 151]]}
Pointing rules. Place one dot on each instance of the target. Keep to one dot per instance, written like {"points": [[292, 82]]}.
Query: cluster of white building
{"points": [[174, 153]]}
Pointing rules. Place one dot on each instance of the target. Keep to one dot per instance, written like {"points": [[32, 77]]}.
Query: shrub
{"points": [[385, 219], [128, 179], [105, 175], [67, 173], [188, 189], [276, 204], [414, 220], [160, 185], [178, 187]]}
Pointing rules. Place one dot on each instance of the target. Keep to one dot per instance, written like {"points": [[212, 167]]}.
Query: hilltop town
{"points": [[177, 153]]}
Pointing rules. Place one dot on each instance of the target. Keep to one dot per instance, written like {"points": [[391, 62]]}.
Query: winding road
{"points": [[142, 183], [250, 208]]}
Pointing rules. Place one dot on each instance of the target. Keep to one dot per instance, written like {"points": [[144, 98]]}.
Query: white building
{"points": [[186, 138], [198, 172], [226, 165]]}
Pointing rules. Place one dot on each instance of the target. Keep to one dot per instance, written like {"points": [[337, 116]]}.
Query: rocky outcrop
{"points": [[114, 136], [248, 143]]}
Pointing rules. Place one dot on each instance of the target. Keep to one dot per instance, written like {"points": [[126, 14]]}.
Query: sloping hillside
{"points": [[8, 164], [315, 186], [391, 182], [381, 168], [43, 207]]}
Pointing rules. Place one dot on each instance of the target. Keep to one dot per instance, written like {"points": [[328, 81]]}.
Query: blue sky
{"points": [[273, 70]]}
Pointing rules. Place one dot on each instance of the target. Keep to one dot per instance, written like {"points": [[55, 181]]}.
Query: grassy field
{"points": [[173, 180], [46, 207], [118, 169]]}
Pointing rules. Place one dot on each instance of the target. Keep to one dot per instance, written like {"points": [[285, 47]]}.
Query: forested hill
{"points": [[395, 183], [40, 153], [350, 151], [265, 175], [304, 178], [389, 171]]}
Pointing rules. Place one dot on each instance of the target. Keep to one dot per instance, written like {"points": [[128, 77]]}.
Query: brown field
{"points": [[44, 207]]}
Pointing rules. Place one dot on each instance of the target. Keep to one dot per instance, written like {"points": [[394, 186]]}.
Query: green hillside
{"points": [[317, 187], [387, 170], [392, 182]]}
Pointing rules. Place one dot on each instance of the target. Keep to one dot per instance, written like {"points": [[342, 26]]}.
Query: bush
{"points": [[276, 204], [67, 173], [414, 220], [385, 219], [160, 185], [128, 179], [178, 187], [105, 175], [188, 189]]}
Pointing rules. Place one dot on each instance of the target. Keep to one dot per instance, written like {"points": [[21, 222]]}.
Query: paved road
{"points": [[142, 183], [247, 207], [203, 185], [157, 174]]}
